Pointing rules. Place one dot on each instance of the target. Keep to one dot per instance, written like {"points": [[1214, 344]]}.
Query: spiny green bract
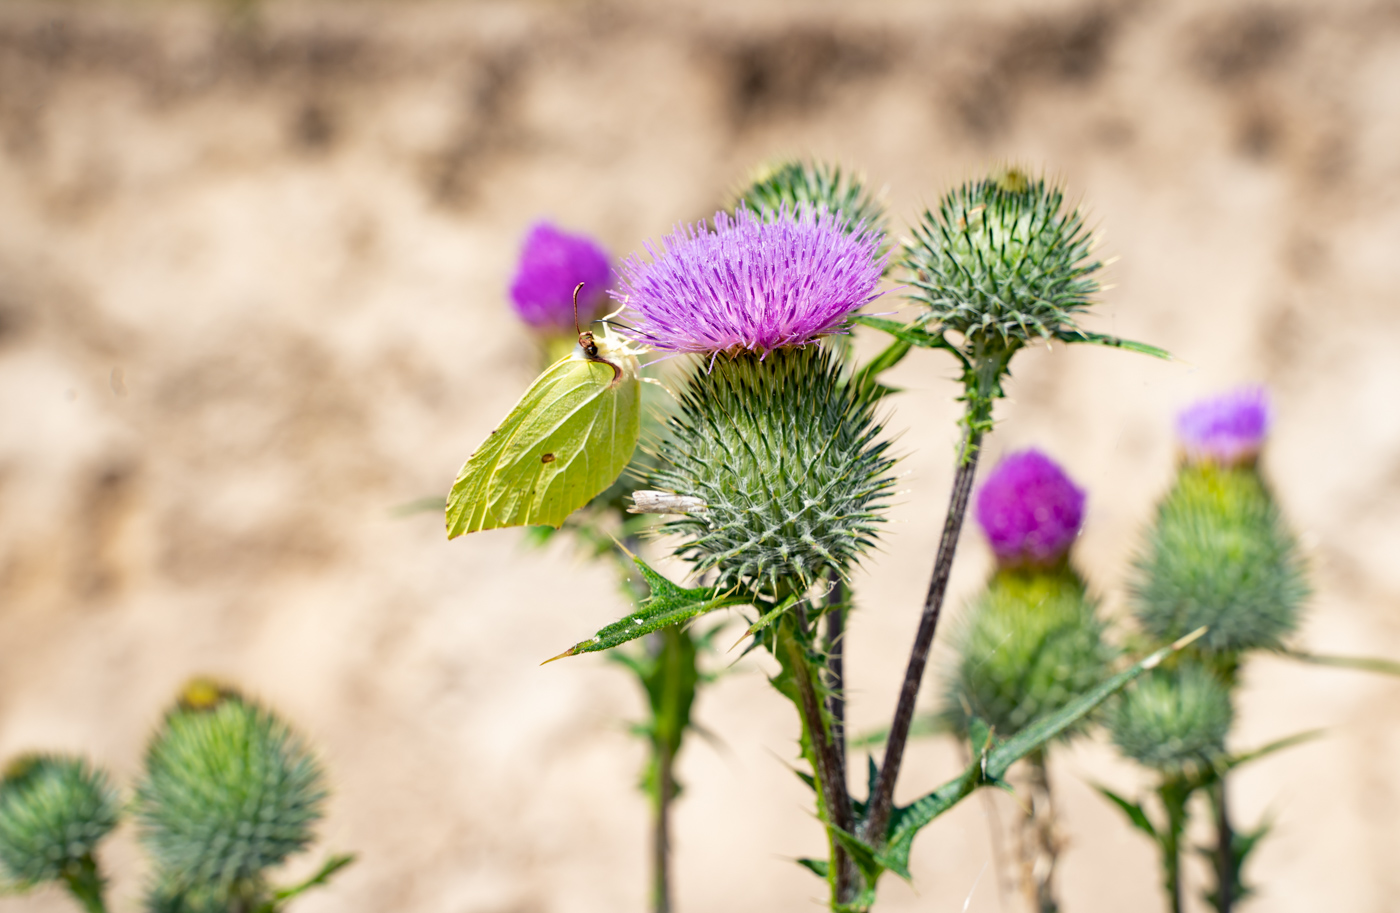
{"points": [[229, 791], [1002, 262], [1220, 555], [1172, 718], [783, 452], [54, 810], [1031, 644], [797, 184]]}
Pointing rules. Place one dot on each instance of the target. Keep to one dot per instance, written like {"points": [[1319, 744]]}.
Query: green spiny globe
{"points": [[796, 184], [229, 791], [1172, 719], [54, 810], [784, 454], [1031, 644], [1220, 554], [1003, 262]]}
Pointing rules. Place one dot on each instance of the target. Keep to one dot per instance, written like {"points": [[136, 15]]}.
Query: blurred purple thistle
{"points": [[1228, 429], [749, 284], [552, 264], [1030, 510]]}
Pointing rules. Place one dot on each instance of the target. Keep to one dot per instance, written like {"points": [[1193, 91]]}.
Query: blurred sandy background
{"points": [[252, 273]]}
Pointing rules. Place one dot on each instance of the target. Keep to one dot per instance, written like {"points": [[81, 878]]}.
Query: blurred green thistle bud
{"points": [[1003, 264], [54, 810], [229, 791], [1031, 644], [1172, 719], [1220, 555], [793, 184], [783, 453]]}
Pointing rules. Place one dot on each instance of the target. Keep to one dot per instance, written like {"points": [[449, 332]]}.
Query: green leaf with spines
{"points": [[1137, 816], [668, 604], [1358, 663]]}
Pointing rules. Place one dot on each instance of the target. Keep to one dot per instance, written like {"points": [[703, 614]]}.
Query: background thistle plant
{"points": [[54, 810], [229, 792], [1173, 719], [793, 184]]}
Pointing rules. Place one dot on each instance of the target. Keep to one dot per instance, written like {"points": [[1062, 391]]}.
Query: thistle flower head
{"points": [[793, 185], [552, 264], [1221, 555], [229, 791], [1171, 719], [1003, 262], [784, 455], [54, 810], [1228, 429], [1030, 510], [1030, 644], [750, 284]]}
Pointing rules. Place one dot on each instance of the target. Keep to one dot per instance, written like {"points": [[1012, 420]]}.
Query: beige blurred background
{"points": [[253, 262]]}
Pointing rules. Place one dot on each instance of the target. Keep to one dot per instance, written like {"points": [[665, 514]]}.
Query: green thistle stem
{"points": [[1175, 793], [1224, 848], [984, 378], [1040, 842], [667, 725], [836, 665], [86, 884], [827, 765]]}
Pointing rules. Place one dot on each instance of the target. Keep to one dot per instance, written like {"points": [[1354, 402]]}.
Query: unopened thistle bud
{"points": [[552, 264], [1221, 555], [1003, 262], [229, 791], [54, 810], [1172, 719], [793, 185], [770, 437]]}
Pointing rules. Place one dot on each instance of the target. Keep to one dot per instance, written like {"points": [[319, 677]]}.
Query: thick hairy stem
{"points": [[665, 743], [836, 666], [1040, 839], [830, 768], [882, 802], [85, 883]]}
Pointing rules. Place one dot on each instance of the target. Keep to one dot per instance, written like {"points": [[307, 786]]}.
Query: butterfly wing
{"points": [[566, 441]]}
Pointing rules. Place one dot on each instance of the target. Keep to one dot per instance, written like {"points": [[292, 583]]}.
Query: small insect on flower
{"points": [[665, 502], [565, 442]]}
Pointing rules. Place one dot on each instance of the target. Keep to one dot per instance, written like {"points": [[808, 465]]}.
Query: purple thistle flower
{"points": [[1228, 429], [750, 284], [552, 264], [1030, 510]]}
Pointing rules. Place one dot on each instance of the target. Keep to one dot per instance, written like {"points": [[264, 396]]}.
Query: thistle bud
{"points": [[552, 264], [1030, 644], [1220, 555], [794, 185], [229, 791], [1003, 262], [1172, 719], [785, 456], [54, 810]]}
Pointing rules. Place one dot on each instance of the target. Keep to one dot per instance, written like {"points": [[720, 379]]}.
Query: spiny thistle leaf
{"points": [[785, 454], [54, 810], [668, 604], [991, 767], [229, 791], [1220, 554]]}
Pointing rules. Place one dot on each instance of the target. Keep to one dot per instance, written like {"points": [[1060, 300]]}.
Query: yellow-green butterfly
{"points": [[564, 443]]}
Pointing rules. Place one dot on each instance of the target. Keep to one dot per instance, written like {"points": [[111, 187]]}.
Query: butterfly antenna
{"points": [[576, 326]]}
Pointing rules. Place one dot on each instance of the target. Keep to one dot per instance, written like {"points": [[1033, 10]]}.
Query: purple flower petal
{"points": [[1029, 509], [552, 264], [1228, 429], [750, 284]]}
